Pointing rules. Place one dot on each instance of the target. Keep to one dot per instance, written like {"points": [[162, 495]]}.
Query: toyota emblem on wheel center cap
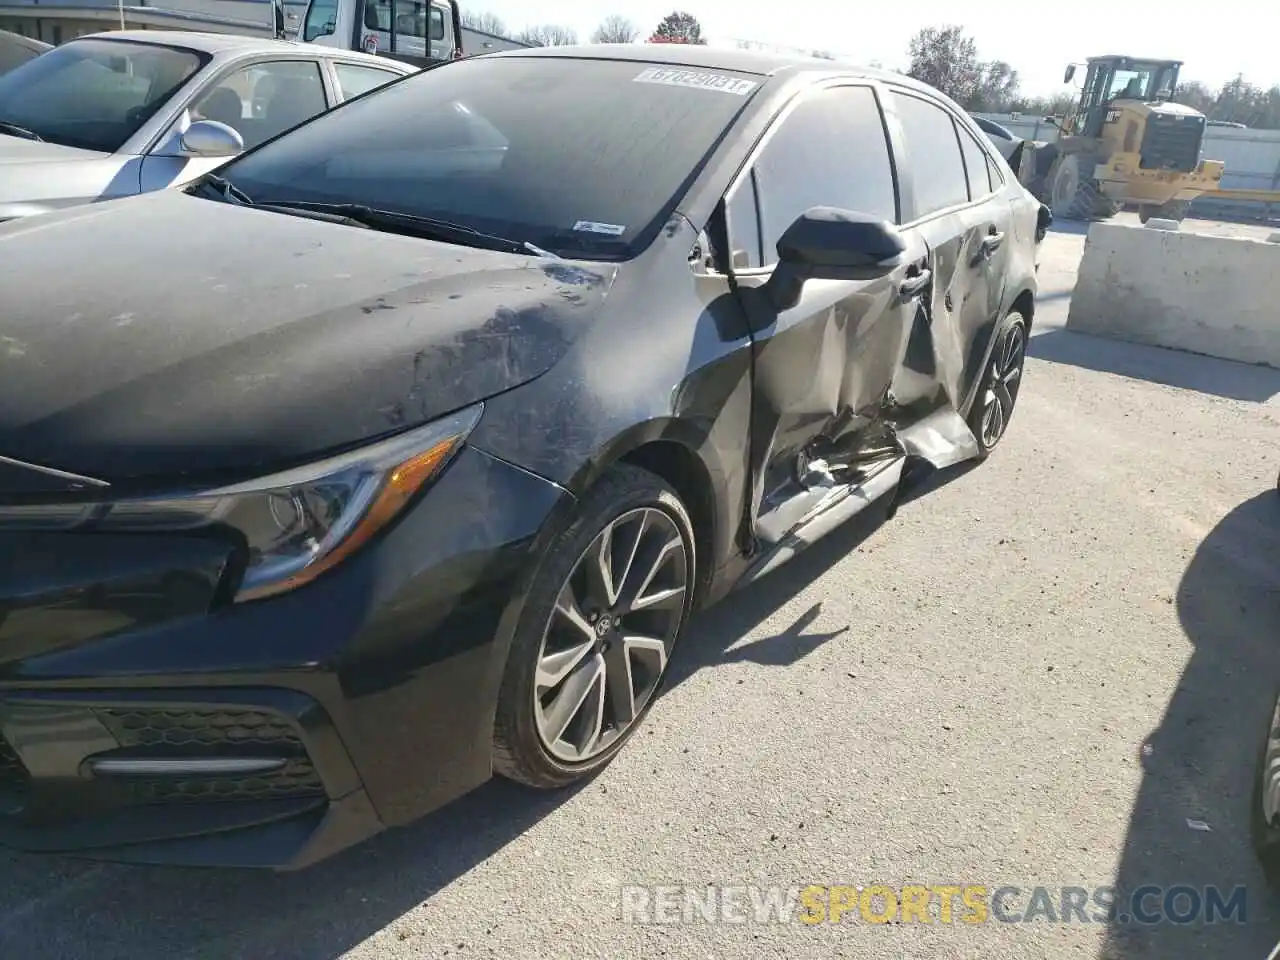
{"points": [[603, 626]]}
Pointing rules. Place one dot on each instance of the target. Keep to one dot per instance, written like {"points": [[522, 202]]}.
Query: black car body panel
{"points": [[253, 321], [222, 341]]}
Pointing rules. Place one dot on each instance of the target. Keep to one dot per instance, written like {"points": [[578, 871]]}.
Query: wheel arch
{"points": [[676, 451]]}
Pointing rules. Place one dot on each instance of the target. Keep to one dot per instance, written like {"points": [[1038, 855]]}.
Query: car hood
{"points": [[166, 336], [35, 176]]}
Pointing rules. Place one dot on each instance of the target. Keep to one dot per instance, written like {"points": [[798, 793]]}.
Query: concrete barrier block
{"points": [[1160, 223], [1218, 296]]}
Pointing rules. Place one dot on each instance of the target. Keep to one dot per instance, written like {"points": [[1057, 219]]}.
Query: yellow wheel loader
{"points": [[1124, 143]]}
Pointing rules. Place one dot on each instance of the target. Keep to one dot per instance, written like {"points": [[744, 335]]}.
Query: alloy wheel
{"points": [[1002, 387], [608, 640]]}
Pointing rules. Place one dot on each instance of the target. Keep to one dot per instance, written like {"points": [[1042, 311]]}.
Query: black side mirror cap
{"points": [[826, 243]]}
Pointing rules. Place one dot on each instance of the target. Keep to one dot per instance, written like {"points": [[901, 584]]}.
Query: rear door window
{"points": [[355, 79], [937, 165]]}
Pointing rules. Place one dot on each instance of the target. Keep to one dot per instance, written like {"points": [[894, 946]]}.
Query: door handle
{"points": [[914, 285], [989, 245]]}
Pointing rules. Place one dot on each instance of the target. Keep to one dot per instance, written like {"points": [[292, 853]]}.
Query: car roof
{"points": [[27, 43], [229, 44], [715, 58]]}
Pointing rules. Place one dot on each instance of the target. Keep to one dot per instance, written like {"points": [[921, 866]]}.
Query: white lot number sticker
{"points": [[591, 226], [700, 81]]}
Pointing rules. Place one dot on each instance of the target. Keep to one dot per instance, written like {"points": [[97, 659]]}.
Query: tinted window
{"points": [[265, 99], [411, 18], [975, 164], [830, 151], [744, 228], [322, 19], [581, 156], [94, 94], [354, 80], [937, 170]]}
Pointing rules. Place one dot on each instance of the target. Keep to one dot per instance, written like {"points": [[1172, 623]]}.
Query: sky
{"points": [[1238, 36]]}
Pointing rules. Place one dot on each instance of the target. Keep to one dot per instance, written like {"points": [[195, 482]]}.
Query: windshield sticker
{"points": [[608, 229], [701, 81]]}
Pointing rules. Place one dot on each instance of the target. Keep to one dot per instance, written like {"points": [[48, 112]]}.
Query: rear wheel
{"points": [[1001, 381], [1175, 210], [591, 650]]}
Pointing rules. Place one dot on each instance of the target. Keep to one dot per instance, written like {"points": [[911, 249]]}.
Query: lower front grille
{"points": [[297, 778], [211, 732]]}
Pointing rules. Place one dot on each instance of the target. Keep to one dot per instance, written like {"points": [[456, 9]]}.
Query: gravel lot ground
{"points": [[1037, 674]]}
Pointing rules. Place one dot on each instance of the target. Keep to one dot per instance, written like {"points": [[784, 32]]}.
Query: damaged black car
{"points": [[399, 451]]}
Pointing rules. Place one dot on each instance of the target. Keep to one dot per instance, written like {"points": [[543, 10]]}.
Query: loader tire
{"points": [[1071, 195]]}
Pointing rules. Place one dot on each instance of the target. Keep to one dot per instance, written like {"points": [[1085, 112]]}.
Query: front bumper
{"points": [[145, 719]]}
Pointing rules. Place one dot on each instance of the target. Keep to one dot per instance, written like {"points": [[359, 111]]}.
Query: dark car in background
{"points": [[15, 50], [393, 454]]}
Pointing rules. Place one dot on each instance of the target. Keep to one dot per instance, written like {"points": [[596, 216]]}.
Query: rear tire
{"points": [[1172, 210], [591, 649], [997, 395]]}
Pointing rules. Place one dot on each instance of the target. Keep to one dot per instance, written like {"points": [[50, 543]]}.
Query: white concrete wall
{"points": [[1218, 296], [1252, 158]]}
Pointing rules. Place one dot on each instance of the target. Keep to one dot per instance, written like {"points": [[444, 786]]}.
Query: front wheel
{"points": [[603, 615], [998, 390], [1264, 800]]}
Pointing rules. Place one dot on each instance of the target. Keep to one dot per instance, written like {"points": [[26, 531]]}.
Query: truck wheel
{"points": [[1071, 196], [1172, 210]]}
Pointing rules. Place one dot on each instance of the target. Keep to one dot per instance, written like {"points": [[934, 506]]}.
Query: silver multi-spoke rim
{"points": [[606, 644], [1002, 390]]}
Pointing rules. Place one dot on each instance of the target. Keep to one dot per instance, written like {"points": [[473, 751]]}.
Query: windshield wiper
{"points": [[392, 221], [13, 130], [226, 189]]}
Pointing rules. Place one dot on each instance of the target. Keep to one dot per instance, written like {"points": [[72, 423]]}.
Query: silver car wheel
{"points": [[1002, 389], [608, 640]]}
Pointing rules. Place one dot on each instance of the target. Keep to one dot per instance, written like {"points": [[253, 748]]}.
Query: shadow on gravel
{"points": [[1199, 764], [64, 911], [1190, 371]]}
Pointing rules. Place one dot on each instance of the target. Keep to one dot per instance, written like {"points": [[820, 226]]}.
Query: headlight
{"points": [[295, 525]]}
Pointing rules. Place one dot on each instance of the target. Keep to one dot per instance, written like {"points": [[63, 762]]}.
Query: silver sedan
{"points": [[115, 114]]}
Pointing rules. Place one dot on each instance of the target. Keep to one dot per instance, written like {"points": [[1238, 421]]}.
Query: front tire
{"points": [[604, 612], [1001, 380], [1264, 820]]}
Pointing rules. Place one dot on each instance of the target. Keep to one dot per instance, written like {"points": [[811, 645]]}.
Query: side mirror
{"points": [[1071, 72], [209, 138], [825, 243]]}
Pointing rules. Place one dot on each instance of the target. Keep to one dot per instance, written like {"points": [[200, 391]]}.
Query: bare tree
{"points": [[548, 35], [484, 22], [615, 29]]}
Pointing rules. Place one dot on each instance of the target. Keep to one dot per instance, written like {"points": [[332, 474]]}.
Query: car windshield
{"points": [[583, 158], [94, 93]]}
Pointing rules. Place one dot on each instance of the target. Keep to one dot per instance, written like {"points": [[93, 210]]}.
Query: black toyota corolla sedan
{"points": [[399, 451]]}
